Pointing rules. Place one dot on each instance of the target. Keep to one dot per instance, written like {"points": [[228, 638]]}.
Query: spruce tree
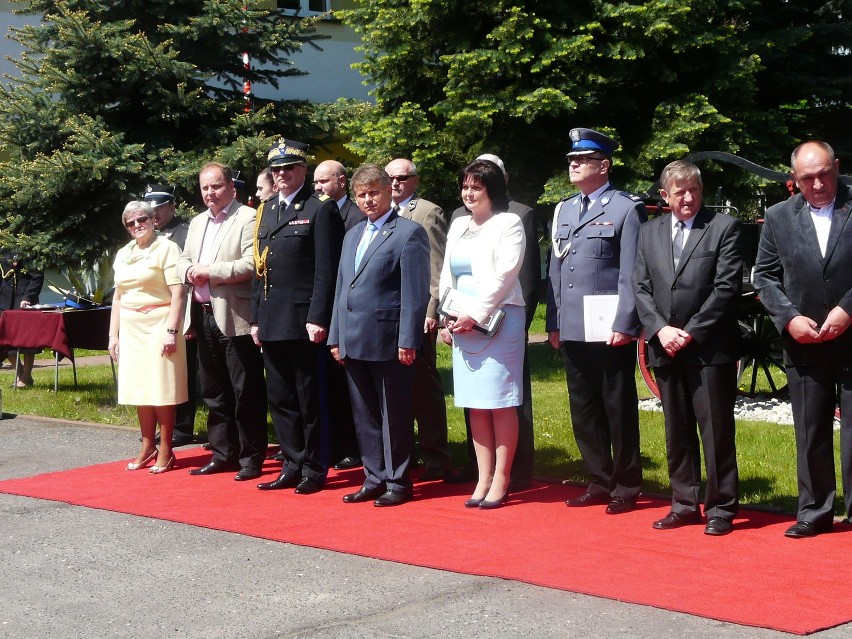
{"points": [[112, 94]]}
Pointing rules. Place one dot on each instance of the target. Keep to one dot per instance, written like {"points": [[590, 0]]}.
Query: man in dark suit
{"points": [[217, 261], [297, 246], [593, 252], [376, 331], [162, 199], [430, 405], [803, 275], [688, 279], [330, 178], [530, 276]]}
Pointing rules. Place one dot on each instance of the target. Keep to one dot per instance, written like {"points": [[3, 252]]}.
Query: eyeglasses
{"points": [[139, 220], [401, 178], [585, 159]]}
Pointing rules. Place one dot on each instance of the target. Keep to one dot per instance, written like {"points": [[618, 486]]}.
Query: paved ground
{"points": [[72, 572]]}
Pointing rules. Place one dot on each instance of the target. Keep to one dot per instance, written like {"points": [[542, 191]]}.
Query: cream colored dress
{"points": [[142, 277]]}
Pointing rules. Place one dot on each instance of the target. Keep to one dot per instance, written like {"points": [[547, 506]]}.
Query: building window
{"points": [[303, 7]]}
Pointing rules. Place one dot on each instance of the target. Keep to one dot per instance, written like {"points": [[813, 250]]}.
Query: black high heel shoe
{"points": [[491, 505], [473, 503]]}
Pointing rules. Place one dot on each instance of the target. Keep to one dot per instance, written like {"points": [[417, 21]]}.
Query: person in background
{"points": [[688, 278], [162, 200], [20, 287], [485, 251], [146, 334], [266, 186], [330, 178], [593, 251], [430, 405], [803, 276]]}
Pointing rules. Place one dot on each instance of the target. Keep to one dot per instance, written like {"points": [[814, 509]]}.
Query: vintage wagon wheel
{"points": [[761, 367], [647, 373]]}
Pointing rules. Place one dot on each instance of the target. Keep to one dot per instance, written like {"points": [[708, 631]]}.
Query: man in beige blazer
{"points": [[430, 408], [217, 261]]}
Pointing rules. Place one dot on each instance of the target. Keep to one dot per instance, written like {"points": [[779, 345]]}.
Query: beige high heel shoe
{"points": [[144, 462], [156, 470]]}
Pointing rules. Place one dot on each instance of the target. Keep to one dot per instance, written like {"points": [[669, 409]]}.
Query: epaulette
{"points": [[632, 196]]}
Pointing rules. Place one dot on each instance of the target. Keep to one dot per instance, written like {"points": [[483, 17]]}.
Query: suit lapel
{"points": [[382, 236], [839, 221], [807, 230], [699, 228]]}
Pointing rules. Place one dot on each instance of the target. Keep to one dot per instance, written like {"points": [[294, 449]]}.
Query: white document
{"points": [[598, 316]]}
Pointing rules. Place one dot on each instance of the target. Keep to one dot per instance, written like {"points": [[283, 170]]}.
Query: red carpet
{"points": [[750, 577]]}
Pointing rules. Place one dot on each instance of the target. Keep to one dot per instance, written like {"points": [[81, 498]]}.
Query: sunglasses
{"points": [[288, 167], [139, 220], [400, 178]]}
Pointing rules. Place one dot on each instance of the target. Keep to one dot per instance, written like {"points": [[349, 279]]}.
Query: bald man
{"points": [[330, 178]]}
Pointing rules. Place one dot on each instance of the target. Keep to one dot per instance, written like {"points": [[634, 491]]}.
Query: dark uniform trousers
{"points": [[342, 440], [185, 413], [605, 415], [703, 395], [430, 407], [235, 393], [297, 382]]}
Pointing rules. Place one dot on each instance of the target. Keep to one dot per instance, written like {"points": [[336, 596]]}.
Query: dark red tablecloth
{"points": [[62, 331]]}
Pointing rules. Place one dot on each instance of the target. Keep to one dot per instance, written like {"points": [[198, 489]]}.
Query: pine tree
{"points": [[116, 93]]}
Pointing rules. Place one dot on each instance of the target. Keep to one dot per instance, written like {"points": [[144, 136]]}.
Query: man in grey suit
{"points": [[803, 276], [430, 406], [688, 279], [218, 262], [593, 252], [376, 331]]}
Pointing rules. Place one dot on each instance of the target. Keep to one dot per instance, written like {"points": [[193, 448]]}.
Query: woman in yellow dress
{"points": [[146, 334]]}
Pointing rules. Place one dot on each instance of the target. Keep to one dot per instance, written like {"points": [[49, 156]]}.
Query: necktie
{"points": [[677, 243], [366, 238], [585, 207]]}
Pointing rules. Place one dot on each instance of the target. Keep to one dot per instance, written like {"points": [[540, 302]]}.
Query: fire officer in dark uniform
{"points": [[298, 237]]}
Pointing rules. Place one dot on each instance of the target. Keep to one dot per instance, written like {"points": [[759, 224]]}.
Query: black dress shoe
{"points": [[182, 439], [456, 476], [432, 474], [215, 467], [676, 520], [247, 473], [285, 480], [365, 494], [309, 486], [620, 505], [348, 463], [718, 526], [802, 529], [279, 457], [588, 499], [394, 498]]}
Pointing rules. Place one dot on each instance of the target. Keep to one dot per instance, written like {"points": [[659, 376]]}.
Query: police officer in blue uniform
{"points": [[595, 235]]}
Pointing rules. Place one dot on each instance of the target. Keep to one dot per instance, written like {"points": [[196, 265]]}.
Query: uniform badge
{"points": [[575, 135], [299, 206]]}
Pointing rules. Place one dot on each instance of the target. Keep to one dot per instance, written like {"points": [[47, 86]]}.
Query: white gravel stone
{"points": [[752, 408]]}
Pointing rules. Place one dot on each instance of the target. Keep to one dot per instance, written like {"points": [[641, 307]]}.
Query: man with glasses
{"points": [[595, 235], [161, 197], [297, 244], [430, 407]]}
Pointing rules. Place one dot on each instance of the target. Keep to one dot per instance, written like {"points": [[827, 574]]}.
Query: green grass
{"points": [[766, 452]]}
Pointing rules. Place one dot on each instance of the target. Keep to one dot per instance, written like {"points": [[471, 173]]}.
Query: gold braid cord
{"points": [[260, 258]]}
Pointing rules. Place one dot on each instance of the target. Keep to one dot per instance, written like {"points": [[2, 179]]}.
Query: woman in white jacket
{"points": [[483, 257]]}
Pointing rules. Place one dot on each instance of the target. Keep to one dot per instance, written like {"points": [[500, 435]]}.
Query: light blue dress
{"points": [[487, 371]]}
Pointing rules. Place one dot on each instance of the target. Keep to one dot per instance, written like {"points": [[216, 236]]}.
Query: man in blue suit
{"points": [[376, 330]]}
